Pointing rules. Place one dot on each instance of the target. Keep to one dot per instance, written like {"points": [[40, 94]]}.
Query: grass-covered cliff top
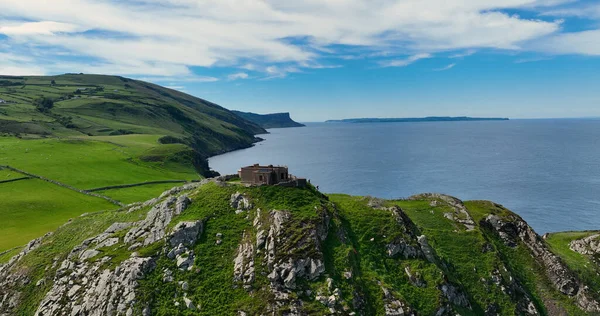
{"points": [[430, 254]]}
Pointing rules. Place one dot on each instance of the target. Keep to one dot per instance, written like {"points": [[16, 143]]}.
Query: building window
{"points": [[283, 176], [260, 178]]}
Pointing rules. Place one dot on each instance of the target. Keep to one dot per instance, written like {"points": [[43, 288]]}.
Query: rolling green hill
{"points": [[75, 143], [220, 248]]}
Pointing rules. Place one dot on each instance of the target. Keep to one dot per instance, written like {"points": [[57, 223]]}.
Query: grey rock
{"points": [[243, 265], [188, 304], [587, 246], [186, 233], [240, 202], [426, 249], [393, 306], [185, 261], [455, 295]]}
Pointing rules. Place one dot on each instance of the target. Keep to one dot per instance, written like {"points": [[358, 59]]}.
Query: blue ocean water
{"points": [[547, 171]]}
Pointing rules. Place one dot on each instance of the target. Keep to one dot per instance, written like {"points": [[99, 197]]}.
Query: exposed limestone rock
{"points": [[186, 233], [243, 265], [515, 230], [428, 252], [284, 268], [153, 227], [9, 277], [415, 278], [240, 202], [393, 306], [82, 286], [185, 261], [167, 275], [455, 295], [88, 254], [401, 247], [188, 304], [107, 292], [587, 246]]}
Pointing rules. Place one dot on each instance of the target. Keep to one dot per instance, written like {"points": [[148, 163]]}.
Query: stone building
{"points": [[269, 175]]}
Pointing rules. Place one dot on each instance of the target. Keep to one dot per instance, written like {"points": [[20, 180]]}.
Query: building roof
{"points": [[269, 167]]}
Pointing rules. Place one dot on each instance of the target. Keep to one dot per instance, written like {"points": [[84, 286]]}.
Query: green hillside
{"points": [[120, 139], [234, 250]]}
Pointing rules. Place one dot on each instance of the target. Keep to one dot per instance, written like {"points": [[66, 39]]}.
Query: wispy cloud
{"points": [[463, 54], [239, 75], [531, 60], [582, 43], [450, 66], [404, 62]]}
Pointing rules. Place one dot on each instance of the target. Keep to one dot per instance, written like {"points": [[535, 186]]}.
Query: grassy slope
{"points": [[86, 163], [136, 194], [583, 265], [366, 231], [31, 208], [78, 141], [125, 104]]}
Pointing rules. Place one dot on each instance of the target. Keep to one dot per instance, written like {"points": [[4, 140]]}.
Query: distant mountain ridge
{"points": [[418, 119], [275, 120]]}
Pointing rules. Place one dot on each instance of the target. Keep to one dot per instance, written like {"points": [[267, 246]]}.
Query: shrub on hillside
{"points": [[171, 140], [44, 104]]}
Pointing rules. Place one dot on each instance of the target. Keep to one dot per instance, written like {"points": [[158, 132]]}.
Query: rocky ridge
{"points": [[303, 254]]}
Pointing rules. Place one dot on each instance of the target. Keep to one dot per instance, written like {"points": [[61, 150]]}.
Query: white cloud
{"points": [[450, 66], [38, 28], [239, 75], [169, 36], [583, 43], [404, 62], [582, 11]]}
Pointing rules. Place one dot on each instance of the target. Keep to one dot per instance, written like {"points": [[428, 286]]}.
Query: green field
{"points": [[87, 163], [31, 208], [100, 131], [139, 193]]}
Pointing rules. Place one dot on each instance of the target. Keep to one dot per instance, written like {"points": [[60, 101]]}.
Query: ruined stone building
{"points": [[269, 175]]}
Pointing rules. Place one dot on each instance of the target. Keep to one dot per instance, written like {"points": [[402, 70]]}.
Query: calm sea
{"points": [[547, 171]]}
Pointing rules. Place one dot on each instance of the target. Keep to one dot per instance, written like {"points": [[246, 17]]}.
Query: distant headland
{"points": [[418, 119], [275, 120]]}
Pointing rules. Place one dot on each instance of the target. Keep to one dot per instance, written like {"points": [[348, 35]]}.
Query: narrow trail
{"points": [[31, 175]]}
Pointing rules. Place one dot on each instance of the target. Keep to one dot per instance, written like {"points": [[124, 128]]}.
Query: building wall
{"points": [[270, 175]]}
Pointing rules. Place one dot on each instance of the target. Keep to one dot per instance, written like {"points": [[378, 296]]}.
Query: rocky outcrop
{"points": [[459, 215], [85, 285], [513, 230], [393, 306], [240, 202], [243, 265], [587, 246], [9, 299], [186, 233]]}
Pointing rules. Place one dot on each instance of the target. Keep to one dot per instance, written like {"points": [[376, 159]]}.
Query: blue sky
{"points": [[326, 59]]}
